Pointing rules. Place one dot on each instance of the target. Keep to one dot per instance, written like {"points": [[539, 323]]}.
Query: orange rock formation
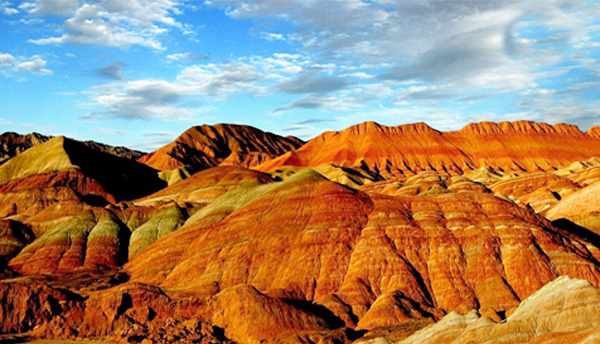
{"points": [[222, 144], [565, 311], [374, 232], [364, 255], [409, 149]]}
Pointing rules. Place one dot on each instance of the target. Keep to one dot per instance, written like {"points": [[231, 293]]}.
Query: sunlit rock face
{"points": [[409, 149], [375, 233], [540, 191], [207, 146], [89, 172], [581, 207], [89, 240], [371, 259], [206, 186], [564, 311], [12, 144]]}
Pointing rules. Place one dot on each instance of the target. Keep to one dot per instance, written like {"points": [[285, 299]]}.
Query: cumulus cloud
{"points": [[110, 22], [220, 80], [356, 53], [143, 99], [58, 7], [112, 70], [6, 8], [255, 76], [269, 36], [6, 60], [36, 64], [12, 64]]}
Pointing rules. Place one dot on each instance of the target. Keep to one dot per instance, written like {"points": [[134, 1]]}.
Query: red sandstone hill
{"points": [[295, 257], [207, 146], [369, 259], [407, 149]]}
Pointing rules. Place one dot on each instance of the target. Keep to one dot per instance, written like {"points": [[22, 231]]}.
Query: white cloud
{"points": [[453, 47], [187, 57], [154, 140], [312, 102], [58, 7], [110, 22], [6, 60], [218, 81], [11, 64], [36, 65], [160, 99], [6, 7], [312, 84], [269, 36], [10, 11]]}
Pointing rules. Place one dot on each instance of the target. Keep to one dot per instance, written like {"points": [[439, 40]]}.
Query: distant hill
{"points": [[521, 146], [207, 146], [85, 167], [12, 144]]}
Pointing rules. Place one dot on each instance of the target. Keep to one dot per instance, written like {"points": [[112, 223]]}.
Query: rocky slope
{"points": [[564, 311], [206, 186], [407, 149], [582, 207], [92, 173], [207, 146], [391, 230], [12, 144], [370, 259]]}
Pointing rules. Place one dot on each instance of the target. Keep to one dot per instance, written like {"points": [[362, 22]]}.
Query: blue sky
{"points": [[140, 72]]}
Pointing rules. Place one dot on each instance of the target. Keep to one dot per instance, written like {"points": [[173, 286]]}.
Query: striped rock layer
{"points": [[99, 176], [565, 311], [207, 146], [408, 149], [370, 259]]}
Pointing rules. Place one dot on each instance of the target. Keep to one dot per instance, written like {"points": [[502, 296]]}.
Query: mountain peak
{"points": [[411, 148], [207, 146], [370, 127]]}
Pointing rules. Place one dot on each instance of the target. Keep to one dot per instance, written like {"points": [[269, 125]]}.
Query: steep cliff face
{"points": [[14, 236], [207, 146], [408, 149], [126, 313]]}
